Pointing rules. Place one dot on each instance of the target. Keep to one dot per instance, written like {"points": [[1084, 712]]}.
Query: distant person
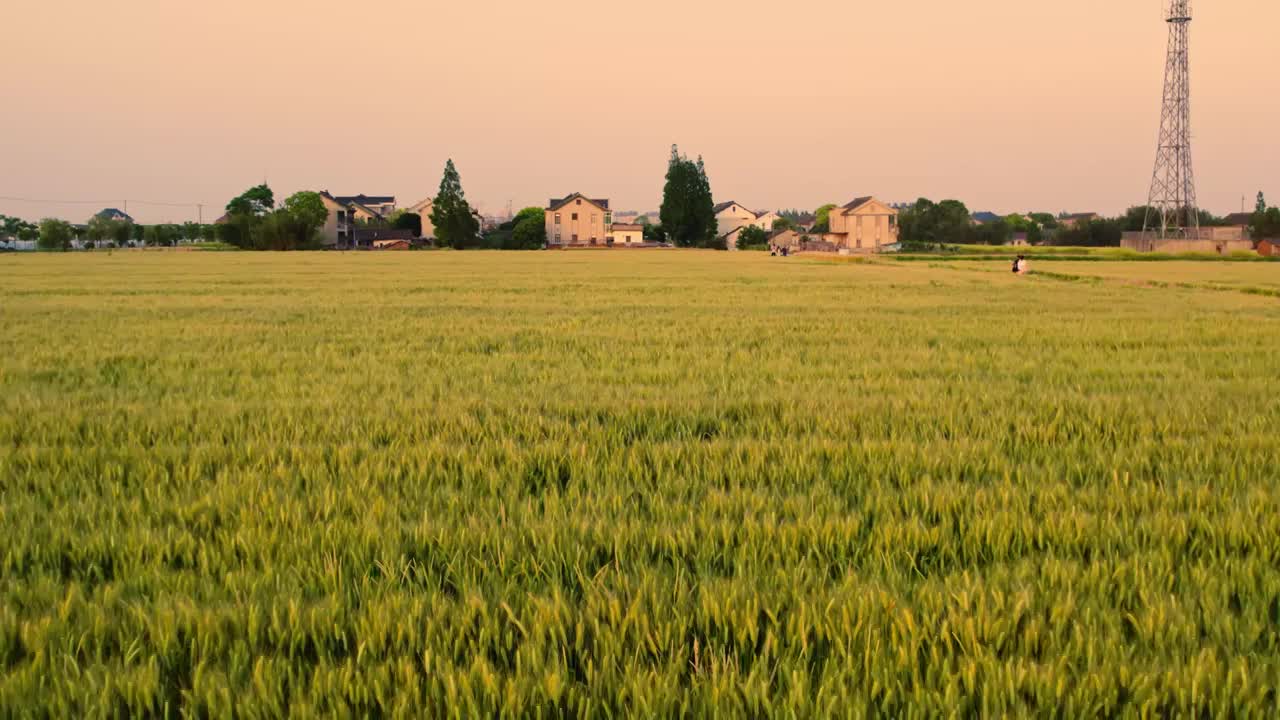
{"points": [[1020, 265]]}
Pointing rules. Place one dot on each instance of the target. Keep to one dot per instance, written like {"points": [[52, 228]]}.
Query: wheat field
{"points": [[636, 484]]}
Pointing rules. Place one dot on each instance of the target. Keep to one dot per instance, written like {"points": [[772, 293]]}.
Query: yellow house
{"points": [[338, 224], [863, 224], [423, 209], [578, 220], [626, 234], [732, 217]]}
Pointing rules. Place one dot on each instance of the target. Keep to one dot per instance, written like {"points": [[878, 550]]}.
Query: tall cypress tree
{"points": [[456, 224], [688, 213], [704, 208]]}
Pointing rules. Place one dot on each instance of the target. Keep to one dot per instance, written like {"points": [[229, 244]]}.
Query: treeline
{"points": [[100, 232], [950, 222]]}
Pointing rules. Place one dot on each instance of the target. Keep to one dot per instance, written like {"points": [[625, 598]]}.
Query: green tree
{"points": [[688, 212], [1102, 232], [456, 223], [530, 230], [55, 234], [1261, 205], [408, 221], [162, 235], [1266, 225], [102, 230], [822, 218], [1135, 218], [18, 228], [244, 216], [931, 223], [784, 223], [305, 214], [753, 238], [257, 200], [122, 233], [1044, 220], [992, 233]]}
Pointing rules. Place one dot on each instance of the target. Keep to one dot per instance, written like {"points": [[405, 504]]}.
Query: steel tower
{"points": [[1172, 211]]}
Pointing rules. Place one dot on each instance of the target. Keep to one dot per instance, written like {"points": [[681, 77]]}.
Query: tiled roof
{"points": [[366, 199], [557, 203]]}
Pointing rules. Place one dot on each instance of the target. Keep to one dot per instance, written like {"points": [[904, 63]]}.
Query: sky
{"points": [[1007, 105]]}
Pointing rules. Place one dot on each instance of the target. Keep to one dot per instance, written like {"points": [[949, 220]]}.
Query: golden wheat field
{"points": [[636, 484]]}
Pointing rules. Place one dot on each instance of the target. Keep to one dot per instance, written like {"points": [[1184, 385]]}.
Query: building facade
{"points": [[578, 220], [864, 224], [379, 205], [423, 209], [626, 234], [338, 226], [732, 217]]}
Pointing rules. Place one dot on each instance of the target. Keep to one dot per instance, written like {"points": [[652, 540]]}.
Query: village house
{"points": [[422, 209], [338, 225], [371, 237], [732, 218], [1075, 220], [1244, 221], [578, 220], [626, 234], [380, 206], [114, 214], [348, 212], [863, 224]]}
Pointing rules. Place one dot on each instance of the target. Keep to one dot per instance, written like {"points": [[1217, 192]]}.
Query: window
{"points": [[579, 202], [608, 218], [557, 218], [557, 237], [574, 217], [593, 218], [575, 239]]}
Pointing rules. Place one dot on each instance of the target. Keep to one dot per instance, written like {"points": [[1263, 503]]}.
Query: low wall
{"points": [[1220, 241]]}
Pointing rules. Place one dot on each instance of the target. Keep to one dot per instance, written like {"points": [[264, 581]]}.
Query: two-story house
{"points": [[338, 230], [864, 224], [578, 220], [379, 205], [423, 209], [733, 217]]}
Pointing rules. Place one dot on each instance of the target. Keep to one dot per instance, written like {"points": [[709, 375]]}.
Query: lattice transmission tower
{"points": [[1172, 210]]}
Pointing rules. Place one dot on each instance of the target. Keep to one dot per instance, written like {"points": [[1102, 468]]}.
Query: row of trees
{"points": [[55, 234], [926, 222], [253, 221]]}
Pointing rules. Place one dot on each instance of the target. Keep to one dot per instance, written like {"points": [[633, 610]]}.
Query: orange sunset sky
{"points": [[1008, 105]]}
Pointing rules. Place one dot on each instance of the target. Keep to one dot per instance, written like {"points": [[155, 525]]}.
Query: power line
{"points": [[102, 202]]}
